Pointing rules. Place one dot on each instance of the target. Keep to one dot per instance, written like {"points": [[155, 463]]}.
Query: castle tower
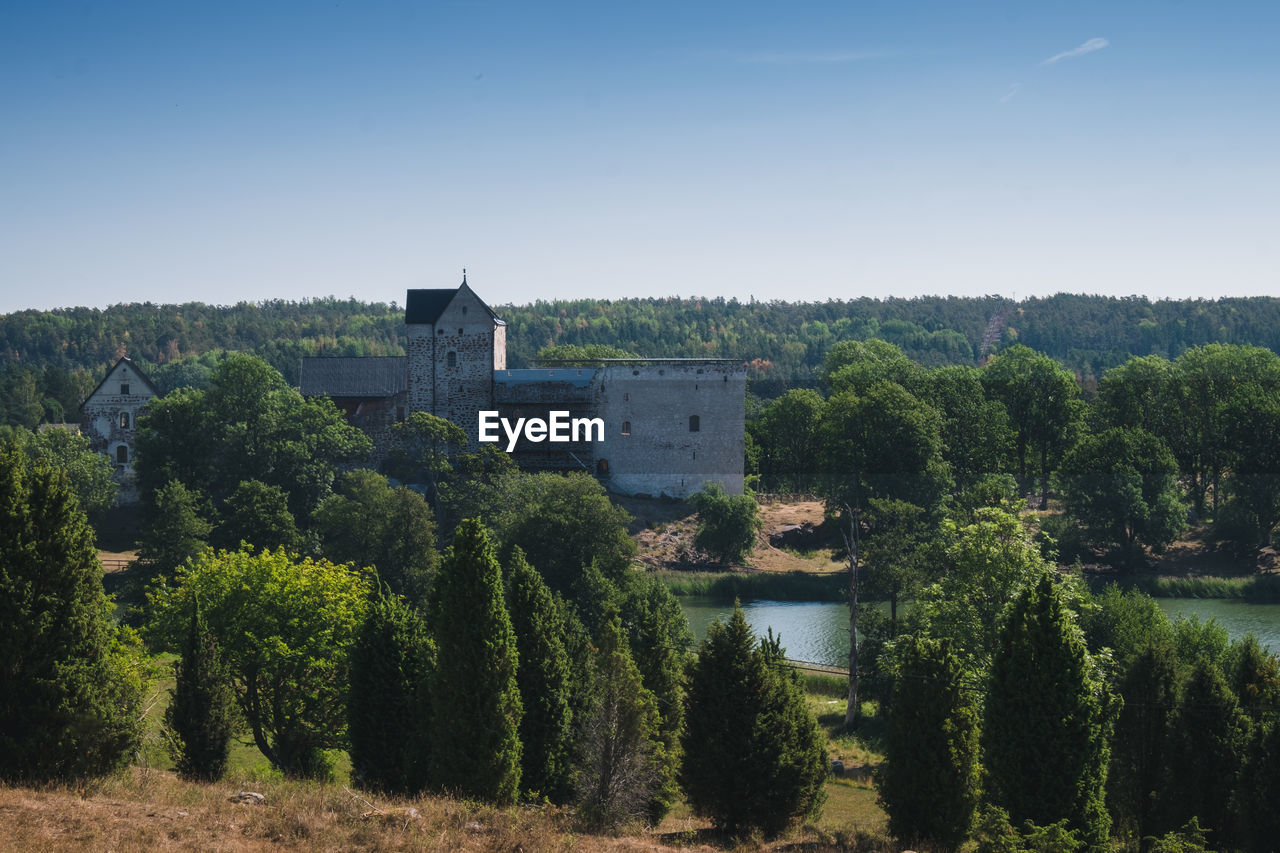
{"points": [[455, 343]]}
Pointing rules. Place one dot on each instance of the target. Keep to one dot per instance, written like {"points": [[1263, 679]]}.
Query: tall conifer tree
{"points": [[475, 740], [1136, 780], [660, 638], [929, 780], [1207, 739], [546, 731], [620, 735], [753, 756], [69, 702], [1048, 720], [201, 716], [389, 713]]}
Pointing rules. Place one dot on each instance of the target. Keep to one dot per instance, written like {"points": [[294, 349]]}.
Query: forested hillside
{"points": [[49, 360]]}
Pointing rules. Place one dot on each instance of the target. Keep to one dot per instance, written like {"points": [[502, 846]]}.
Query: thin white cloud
{"points": [[1013, 90], [1088, 47]]}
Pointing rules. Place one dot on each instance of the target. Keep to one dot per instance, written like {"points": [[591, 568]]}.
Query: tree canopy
{"points": [[286, 627]]}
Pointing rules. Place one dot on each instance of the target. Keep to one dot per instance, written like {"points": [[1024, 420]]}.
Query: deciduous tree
{"points": [[1122, 483], [259, 515], [367, 522], [1042, 399], [727, 524], [286, 628], [176, 529], [563, 522], [787, 433]]}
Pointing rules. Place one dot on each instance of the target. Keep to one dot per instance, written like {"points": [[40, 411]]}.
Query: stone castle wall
{"points": [[650, 447], [669, 427]]}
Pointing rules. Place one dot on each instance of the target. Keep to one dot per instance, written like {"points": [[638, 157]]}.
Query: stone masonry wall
{"points": [[455, 391], [658, 453]]}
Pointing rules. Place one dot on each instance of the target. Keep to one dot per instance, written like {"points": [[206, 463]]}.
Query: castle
{"points": [[666, 426]]}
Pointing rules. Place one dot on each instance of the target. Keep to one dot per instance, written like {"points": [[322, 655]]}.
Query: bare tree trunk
{"points": [[851, 542], [1044, 476]]}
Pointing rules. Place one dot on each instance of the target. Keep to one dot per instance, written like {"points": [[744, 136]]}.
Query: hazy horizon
{"points": [[229, 152]]}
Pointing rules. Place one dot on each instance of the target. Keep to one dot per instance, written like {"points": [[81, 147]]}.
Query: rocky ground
{"points": [[664, 532]]}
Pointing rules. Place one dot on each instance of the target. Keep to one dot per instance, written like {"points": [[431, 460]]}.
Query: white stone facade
{"points": [[109, 419]]}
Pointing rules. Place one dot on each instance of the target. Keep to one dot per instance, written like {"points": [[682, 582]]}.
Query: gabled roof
{"points": [[424, 307], [128, 362], [360, 376]]}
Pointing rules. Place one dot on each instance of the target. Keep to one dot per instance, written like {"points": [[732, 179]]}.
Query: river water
{"points": [[818, 631]]}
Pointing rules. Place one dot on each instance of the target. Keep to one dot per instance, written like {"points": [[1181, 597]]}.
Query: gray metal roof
{"points": [[367, 376], [579, 378]]}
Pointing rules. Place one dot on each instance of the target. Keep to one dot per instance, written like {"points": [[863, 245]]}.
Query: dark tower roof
{"points": [[424, 307]]}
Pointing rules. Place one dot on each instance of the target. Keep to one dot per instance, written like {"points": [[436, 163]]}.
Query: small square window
{"points": [[124, 389]]}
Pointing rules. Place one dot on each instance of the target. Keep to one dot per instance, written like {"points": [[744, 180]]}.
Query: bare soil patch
{"points": [[664, 532], [116, 561]]}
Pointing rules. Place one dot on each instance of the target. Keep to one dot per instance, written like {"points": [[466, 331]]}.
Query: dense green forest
{"points": [[50, 360], [496, 613]]}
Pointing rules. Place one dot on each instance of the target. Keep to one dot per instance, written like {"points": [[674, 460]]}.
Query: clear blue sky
{"points": [[172, 151]]}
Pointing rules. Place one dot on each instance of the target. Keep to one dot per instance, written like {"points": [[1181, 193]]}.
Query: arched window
{"points": [[626, 427], [124, 420], [122, 454], [451, 359], [694, 423]]}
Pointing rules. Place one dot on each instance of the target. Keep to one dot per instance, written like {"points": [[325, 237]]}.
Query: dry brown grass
{"points": [[155, 810]]}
